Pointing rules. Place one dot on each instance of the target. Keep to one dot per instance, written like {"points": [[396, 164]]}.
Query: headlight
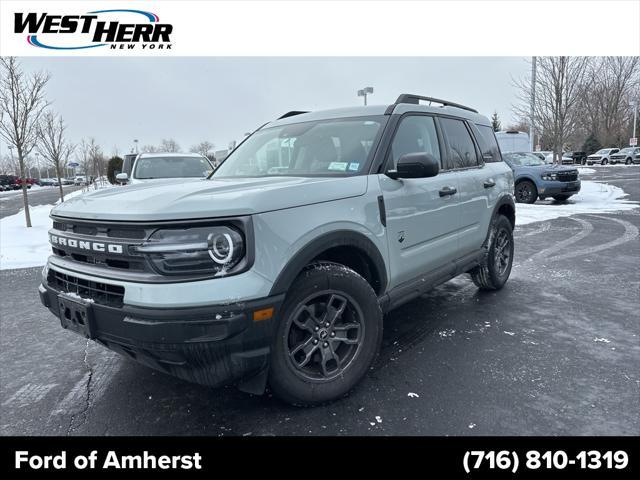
{"points": [[201, 250], [549, 176]]}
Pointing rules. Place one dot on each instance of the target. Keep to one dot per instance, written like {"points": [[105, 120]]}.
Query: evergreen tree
{"points": [[591, 144], [113, 168], [495, 122]]}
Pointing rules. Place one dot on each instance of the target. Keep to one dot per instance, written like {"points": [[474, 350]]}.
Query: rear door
{"points": [[476, 182], [423, 216]]}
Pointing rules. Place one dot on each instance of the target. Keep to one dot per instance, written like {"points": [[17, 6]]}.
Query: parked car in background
{"points": [[513, 141], [536, 179], [7, 182], [80, 180], [47, 182], [574, 158], [602, 156], [153, 166], [626, 156]]}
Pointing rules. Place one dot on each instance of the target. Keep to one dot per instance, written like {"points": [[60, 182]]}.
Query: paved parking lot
{"points": [[11, 202], [556, 352]]}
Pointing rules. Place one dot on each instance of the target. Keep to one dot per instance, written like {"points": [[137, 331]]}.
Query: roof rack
{"points": [[291, 114], [415, 99]]}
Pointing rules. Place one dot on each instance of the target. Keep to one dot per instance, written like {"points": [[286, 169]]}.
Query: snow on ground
{"points": [[22, 247], [19, 191], [586, 171], [594, 197]]}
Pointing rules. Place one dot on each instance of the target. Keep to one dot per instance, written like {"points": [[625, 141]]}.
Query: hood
{"points": [[224, 197]]}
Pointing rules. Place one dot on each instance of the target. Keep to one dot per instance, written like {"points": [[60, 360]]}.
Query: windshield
{"points": [[147, 168], [604, 151], [523, 159], [627, 150], [322, 148]]}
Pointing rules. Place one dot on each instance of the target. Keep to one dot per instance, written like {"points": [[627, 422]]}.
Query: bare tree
{"points": [[615, 83], [22, 102], [149, 149], [203, 148], [53, 144], [559, 87], [95, 159], [169, 145]]}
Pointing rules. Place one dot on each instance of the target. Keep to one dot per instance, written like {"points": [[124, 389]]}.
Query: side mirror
{"points": [[122, 177], [415, 165]]}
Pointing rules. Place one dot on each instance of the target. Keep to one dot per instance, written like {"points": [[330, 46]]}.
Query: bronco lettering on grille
{"points": [[86, 245]]}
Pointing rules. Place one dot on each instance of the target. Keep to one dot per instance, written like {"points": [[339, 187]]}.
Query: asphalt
{"points": [[11, 202], [556, 352]]}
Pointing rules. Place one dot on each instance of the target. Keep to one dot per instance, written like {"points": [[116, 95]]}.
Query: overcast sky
{"points": [[218, 99]]}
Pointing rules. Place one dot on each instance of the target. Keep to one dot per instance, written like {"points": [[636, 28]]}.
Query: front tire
{"points": [[628, 161], [604, 162], [495, 269], [328, 336], [526, 192]]}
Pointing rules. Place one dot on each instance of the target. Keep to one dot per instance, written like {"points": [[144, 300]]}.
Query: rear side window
{"points": [[462, 151], [488, 144], [416, 133]]}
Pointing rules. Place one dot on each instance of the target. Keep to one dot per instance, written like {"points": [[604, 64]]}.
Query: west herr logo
{"points": [[86, 245], [116, 29]]}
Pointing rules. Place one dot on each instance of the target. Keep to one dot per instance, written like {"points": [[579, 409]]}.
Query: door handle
{"points": [[489, 183], [447, 191]]}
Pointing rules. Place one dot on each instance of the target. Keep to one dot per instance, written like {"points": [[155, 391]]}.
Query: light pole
{"points": [[135, 141], [364, 92], [533, 104], [634, 104], [10, 147]]}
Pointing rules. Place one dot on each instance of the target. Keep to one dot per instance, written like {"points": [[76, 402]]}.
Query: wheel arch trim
{"points": [[337, 238]]}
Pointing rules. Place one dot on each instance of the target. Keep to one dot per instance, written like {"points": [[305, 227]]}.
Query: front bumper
{"points": [[548, 189], [210, 345]]}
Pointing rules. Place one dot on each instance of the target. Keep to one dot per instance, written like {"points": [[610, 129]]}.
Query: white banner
{"points": [[309, 28]]}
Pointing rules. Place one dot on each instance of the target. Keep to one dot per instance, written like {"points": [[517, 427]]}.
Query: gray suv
{"points": [[279, 267]]}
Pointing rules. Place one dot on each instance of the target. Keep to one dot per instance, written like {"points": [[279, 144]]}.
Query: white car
{"points": [[153, 166], [602, 156], [80, 180]]}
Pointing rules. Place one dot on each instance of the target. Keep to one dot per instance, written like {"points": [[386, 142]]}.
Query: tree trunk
{"points": [[60, 184], [25, 198]]}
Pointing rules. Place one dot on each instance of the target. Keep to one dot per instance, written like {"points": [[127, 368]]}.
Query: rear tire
{"points": [[495, 269], [526, 192], [316, 359]]}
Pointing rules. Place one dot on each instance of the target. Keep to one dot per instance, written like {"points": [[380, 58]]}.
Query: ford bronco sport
{"points": [[279, 267]]}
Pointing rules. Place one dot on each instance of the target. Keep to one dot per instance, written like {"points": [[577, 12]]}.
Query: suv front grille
{"points": [[101, 293], [567, 176], [94, 232]]}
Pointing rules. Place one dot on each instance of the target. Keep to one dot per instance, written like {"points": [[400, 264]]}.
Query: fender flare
{"points": [[337, 238]]}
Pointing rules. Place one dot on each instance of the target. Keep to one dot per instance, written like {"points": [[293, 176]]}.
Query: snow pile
{"points": [[594, 197], [25, 247]]}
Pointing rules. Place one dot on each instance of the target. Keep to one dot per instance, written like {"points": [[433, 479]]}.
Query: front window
{"points": [[523, 159], [335, 147], [148, 168]]}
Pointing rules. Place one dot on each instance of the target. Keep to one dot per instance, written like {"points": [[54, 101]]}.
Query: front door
{"points": [[423, 215]]}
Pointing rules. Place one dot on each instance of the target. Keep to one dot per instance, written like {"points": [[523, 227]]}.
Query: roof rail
{"points": [[415, 99], [291, 114]]}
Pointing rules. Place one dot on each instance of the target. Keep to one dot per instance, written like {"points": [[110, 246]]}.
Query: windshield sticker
{"points": [[354, 166], [340, 166]]}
